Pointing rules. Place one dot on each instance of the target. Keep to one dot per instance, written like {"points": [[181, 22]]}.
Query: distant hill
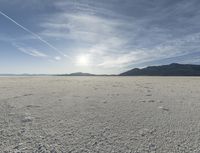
{"points": [[78, 74], [173, 69], [85, 74]]}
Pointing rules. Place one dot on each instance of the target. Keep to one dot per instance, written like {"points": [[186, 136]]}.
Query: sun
{"points": [[82, 60]]}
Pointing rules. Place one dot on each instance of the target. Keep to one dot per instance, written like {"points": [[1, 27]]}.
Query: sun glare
{"points": [[82, 60]]}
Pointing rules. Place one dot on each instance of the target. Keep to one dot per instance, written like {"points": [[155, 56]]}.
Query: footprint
{"points": [[151, 101], [32, 106], [148, 90], [27, 95], [16, 97], [105, 102]]}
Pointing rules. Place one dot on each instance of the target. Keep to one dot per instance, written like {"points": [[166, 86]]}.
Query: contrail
{"points": [[34, 34]]}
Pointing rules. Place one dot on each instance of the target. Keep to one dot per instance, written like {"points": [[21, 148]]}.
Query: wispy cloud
{"points": [[169, 49], [79, 27], [30, 51], [116, 40], [33, 34], [35, 52]]}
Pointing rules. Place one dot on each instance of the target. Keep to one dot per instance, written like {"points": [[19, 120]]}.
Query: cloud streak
{"points": [[30, 51], [33, 34], [35, 52]]}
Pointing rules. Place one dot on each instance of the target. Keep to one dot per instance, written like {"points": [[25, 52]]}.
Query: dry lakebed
{"points": [[100, 114]]}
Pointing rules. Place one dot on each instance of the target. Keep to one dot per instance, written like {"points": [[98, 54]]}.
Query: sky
{"points": [[97, 36]]}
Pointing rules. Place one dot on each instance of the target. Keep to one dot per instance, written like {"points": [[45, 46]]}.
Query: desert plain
{"points": [[100, 114]]}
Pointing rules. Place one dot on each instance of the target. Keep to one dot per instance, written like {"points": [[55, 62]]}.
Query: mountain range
{"points": [[173, 69]]}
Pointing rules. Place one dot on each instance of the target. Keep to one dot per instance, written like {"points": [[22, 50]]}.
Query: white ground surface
{"points": [[100, 115]]}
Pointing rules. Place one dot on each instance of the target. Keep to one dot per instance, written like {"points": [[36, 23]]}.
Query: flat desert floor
{"points": [[100, 114]]}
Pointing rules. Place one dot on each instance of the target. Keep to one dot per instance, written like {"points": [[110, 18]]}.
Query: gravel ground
{"points": [[100, 115]]}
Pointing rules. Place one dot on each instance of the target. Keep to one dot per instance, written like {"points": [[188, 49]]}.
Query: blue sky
{"points": [[97, 36]]}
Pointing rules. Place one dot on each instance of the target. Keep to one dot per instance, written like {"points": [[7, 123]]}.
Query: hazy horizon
{"points": [[99, 37]]}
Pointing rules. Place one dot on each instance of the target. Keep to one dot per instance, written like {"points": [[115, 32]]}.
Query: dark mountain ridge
{"points": [[173, 69]]}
